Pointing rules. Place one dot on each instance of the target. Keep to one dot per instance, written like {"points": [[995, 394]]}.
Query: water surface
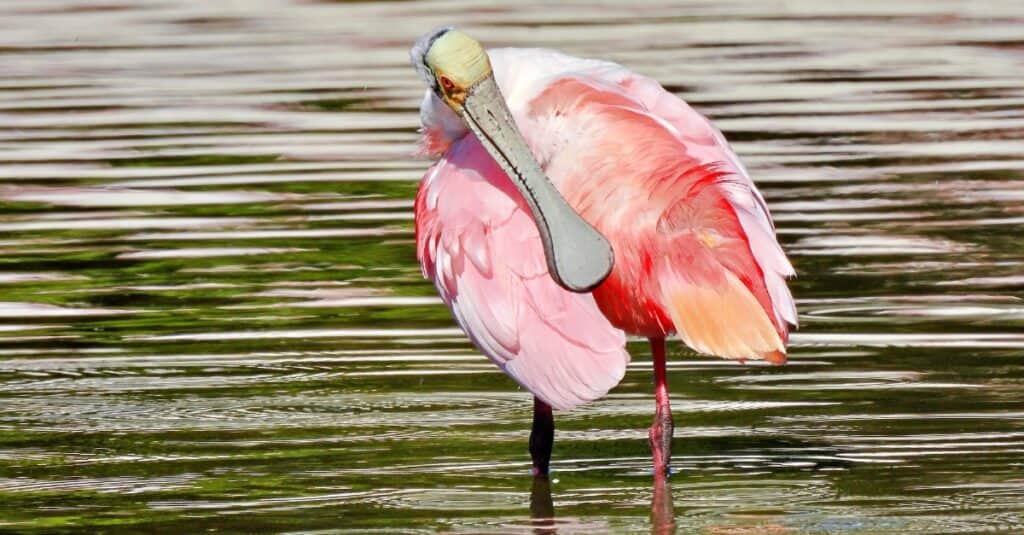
{"points": [[211, 317]]}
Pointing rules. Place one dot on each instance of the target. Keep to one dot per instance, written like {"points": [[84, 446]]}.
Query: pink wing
{"points": [[477, 241], [710, 145], [694, 244]]}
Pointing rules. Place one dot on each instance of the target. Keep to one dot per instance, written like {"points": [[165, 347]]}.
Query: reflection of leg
{"points": [[660, 435], [663, 517], [542, 437], [542, 508]]}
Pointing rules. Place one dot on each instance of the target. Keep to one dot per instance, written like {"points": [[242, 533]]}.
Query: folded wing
{"points": [[477, 241], [694, 242]]}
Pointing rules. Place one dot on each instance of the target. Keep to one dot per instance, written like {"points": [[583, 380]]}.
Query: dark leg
{"points": [[542, 507], [660, 434], [542, 437]]}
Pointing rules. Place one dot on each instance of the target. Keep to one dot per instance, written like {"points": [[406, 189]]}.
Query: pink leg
{"points": [[663, 515], [660, 434], [542, 437]]}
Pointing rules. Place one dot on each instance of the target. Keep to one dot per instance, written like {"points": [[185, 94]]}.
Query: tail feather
{"points": [[723, 319]]}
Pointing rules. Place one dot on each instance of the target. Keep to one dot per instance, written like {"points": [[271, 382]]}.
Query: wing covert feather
{"points": [[477, 241]]}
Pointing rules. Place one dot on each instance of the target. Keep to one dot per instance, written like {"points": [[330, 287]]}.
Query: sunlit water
{"points": [[211, 316]]}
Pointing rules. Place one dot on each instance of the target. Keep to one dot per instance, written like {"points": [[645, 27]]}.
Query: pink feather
{"points": [[477, 241], [695, 248]]}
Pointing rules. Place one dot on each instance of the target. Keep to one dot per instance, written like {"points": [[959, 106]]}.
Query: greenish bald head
{"points": [[452, 63]]}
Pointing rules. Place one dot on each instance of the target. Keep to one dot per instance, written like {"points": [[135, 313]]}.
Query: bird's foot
{"points": [[660, 438]]}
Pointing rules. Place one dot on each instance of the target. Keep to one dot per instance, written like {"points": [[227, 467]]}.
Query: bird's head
{"points": [[458, 71], [451, 63]]}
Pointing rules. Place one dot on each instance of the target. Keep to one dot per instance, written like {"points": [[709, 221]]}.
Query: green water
{"points": [[211, 317]]}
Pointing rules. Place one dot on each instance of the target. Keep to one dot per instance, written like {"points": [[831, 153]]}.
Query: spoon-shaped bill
{"points": [[578, 256]]}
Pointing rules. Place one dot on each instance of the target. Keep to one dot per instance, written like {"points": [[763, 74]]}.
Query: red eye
{"points": [[447, 84]]}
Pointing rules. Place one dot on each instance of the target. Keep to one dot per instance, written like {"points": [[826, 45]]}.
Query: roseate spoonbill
{"points": [[573, 200]]}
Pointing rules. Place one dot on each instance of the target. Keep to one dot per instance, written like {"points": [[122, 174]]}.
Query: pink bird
{"points": [[574, 201]]}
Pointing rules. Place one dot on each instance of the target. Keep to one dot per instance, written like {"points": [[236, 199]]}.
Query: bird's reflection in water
{"points": [[542, 507], [663, 516]]}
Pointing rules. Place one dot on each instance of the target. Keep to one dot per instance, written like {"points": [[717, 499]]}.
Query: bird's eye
{"points": [[447, 84]]}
